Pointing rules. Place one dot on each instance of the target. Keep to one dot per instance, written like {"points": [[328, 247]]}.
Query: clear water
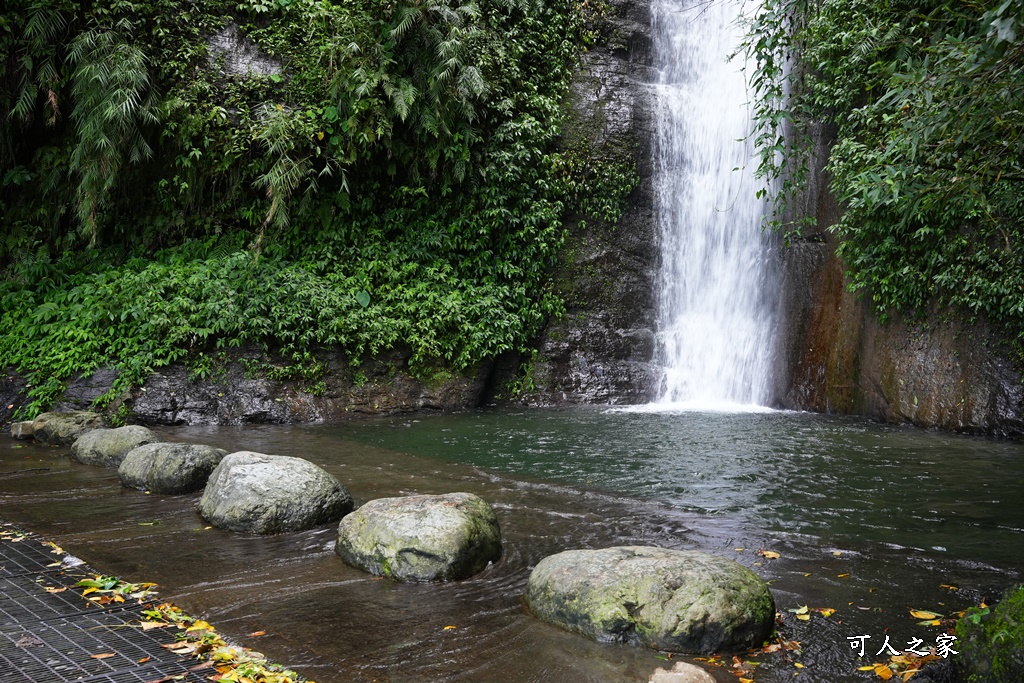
{"points": [[907, 510], [717, 303]]}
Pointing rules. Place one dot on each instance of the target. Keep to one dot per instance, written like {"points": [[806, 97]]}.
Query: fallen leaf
{"points": [[27, 641], [844, 576], [883, 672], [770, 554], [103, 655], [803, 617], [199, 626], [837, 553], [800, 610], [150, 625], [929, 622], [923, 614], [866, 668], [798, 665], [948, 587], [449, 628], [257, 634], [143, 660], [54, 589]]}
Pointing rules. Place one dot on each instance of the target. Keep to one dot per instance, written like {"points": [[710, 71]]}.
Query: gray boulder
{"points": [[108, 447], [421, 538], [58, 428], [672, 600], [266, 494], [169, 467]]}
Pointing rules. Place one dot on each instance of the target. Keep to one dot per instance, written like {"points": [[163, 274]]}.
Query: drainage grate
{"points": [[66, 649], [50, 634], [28, 556], [25, 599]]}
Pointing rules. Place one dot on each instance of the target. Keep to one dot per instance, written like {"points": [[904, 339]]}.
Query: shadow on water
{"points": [[868, 519]]}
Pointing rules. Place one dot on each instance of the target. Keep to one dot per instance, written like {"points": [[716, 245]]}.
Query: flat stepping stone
{"points": [[267, 494], [108, 447], [421, 538], [672, 600], [169, 467]]}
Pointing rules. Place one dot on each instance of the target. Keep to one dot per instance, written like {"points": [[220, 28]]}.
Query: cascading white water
{"points": [[716, 299]]}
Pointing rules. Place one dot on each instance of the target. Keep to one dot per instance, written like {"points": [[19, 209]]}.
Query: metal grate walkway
{"points": [[49, 633]]}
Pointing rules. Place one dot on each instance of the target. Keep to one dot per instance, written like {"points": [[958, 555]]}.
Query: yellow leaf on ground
{"points": [[803, 617], [143, 660], [746, 680], [770, 554], [103, 655], [844, 576], [150, 625], [948, 586], [257, 634], [929, 622], [89, 590], [199, 626], [866, 668], [798, 665], [54, 589], [923, 614], [883, 672], [449, 628]]}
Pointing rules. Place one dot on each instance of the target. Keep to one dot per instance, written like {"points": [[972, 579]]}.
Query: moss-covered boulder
{"points": [[58, 428], [990, 642], [266, 494], [169, 467], [672, 600], [108, 447], [421, 538]]}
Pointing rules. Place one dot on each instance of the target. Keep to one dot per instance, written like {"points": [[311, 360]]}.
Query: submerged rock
{"points": [[108, 447], [421, 538], [266, 494], [169, 467], [672, 600], [990, 644], [58, 428]]}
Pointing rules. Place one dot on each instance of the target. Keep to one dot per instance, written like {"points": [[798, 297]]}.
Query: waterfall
{"points": [[717, 291]]}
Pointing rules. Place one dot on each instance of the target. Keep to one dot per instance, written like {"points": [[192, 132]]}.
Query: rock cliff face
{"points": [[837, 357], [601, 351]]}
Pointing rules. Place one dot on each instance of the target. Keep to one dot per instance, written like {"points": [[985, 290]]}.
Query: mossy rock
{"points": [[992, 650], [169, 467], [673, 600], [108, 447], [421, 538]]}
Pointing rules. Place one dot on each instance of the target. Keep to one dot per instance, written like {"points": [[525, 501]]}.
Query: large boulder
{"points": [[990, 642], [58, 428], [672, 600], [108, 447], [421, 538], [169, 467], [266, 494]]}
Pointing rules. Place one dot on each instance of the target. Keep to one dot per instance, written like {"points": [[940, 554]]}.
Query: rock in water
{"points": [[61, 428], [169, 467], [267, 494], [107, 447], [421, 538], [681, 673], [672, 600]]}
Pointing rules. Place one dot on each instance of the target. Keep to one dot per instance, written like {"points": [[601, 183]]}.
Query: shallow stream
{"points": [[867, 519]]}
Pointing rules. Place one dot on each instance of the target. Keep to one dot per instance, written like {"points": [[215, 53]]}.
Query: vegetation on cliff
{"points": [[375, 175], [926, 100]]}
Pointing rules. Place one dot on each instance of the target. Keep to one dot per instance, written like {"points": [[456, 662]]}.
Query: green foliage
{"points": [[928, 162], [395, 184], [991, 642]]}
